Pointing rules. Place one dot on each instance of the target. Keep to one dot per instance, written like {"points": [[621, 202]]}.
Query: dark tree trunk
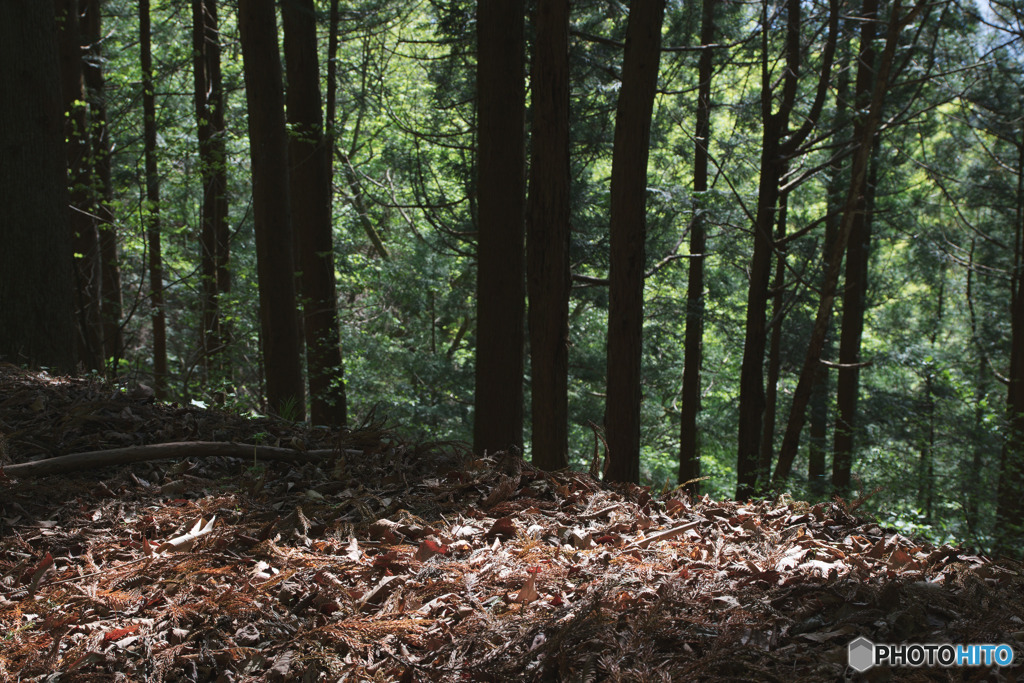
{"points": [[771, 398], [926, 463], [858, 173], [858, 253], [547, 237], [778, 146], [85, 240], [309, 175], [689, 437], [628, 226], [209, 107], [36, 258], [752, 398], [110, 271], [1010, 503], [152, 212], [819, 401], [855, 292], [498, 422], [775, 124], [268, 142]]}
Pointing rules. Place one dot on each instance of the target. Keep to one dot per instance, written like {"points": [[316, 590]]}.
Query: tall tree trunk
{"points": [[85, 240], [209, 103], [858, 255], [268, 142], [858, 173], [855, 292], [628, 226], [926, 463], [819, 400], [309, 175], [547, 237], [36, 256], [152, 211], [498, 422], [110, 271], [693, 343], [779, 144], [767, 447], [752, 394], [1010, 504], [972, 489]]}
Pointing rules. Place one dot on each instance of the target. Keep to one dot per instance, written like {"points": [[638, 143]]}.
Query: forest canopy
{"points": [[743, 247]]}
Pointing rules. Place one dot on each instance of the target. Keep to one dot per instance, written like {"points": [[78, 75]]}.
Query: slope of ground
{"points": [[367, 558]]}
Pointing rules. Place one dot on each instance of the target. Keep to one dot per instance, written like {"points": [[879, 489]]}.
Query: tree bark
{"points": [[36, 307], [271, 210], [110, 271], [1010, 504], [498, 422], [209, 103], [858, 253], [628, 227], [85, 240], [819, 400], [547, 238], [311, 214], [855, 292], [152, 211], [689, 436]]}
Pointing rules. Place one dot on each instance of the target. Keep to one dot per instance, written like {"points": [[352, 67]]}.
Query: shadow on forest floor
{"points": [[413, 562]]}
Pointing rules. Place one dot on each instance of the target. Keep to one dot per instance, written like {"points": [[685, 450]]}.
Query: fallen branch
{"points": [[161, 451]]}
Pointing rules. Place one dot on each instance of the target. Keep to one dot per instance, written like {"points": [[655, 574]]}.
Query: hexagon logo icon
{"points": [[862, 654]]}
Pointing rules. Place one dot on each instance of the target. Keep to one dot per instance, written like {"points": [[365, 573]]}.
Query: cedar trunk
{"points": [[689, 441], [102, 186], [208, 98], [310, 188], [36, 317], [152, 213], [498, 423], [855, 292], [547, 237], [1010, 508], [274, 263], [628, 227], [85, 239]]}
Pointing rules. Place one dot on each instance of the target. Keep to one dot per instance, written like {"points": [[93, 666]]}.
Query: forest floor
{"points": [[367, 558]]}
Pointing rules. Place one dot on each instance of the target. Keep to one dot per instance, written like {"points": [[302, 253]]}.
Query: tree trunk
{"points": [[858, 173], [693, 343], [628, 227], [309, 175], [152, 211], [858, 254], [268, 144], [36, 258], [547, 237], [771, 399], [819, 400], [1010, 505], [855, 292], [85, 240], [209, 107], [110, 271], [778, 146], [498, 422], [752, 395]]}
